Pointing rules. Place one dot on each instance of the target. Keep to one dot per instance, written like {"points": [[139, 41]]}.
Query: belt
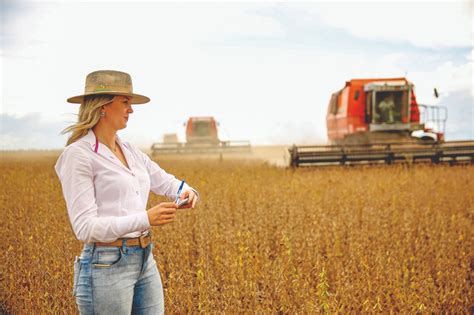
{"points": [[142, 241]]}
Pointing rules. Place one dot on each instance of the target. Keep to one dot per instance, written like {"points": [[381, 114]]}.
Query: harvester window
{"points": [[333, 104], [389, 106], [356, 95], [201, 128]]}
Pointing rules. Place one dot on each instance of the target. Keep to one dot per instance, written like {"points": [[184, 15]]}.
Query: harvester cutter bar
{"points": [[320, 155]]}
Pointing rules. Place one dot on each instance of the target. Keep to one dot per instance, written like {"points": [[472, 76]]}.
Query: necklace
{"points": [[112, 149]]}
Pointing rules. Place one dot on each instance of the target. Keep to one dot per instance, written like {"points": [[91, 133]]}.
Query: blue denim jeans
{"points": [[117, 280]]}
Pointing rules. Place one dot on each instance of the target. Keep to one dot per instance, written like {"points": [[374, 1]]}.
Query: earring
{"points": [[102, 114]]}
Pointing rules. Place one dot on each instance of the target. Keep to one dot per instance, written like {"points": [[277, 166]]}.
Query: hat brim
{"points": [[135, 98]]}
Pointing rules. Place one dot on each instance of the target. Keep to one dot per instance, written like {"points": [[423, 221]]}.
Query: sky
{"points": [[265, 70]]}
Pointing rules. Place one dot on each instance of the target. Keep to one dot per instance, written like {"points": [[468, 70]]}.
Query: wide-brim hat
{"points": [[109, 82]]}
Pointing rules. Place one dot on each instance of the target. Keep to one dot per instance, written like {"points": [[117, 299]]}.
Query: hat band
{"points": [[108, 88]]}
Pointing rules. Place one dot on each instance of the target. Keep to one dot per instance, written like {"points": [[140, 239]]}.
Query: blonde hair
{"points": [[89, 115]]}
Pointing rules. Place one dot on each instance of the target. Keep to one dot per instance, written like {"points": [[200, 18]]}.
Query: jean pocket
{"points": [[107, 257], [77, 271]]}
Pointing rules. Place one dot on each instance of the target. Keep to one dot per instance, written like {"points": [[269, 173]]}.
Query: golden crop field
{"points": [[265, 239]]}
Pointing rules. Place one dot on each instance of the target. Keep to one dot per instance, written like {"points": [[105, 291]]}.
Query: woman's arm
{"points": [[162, 183]]}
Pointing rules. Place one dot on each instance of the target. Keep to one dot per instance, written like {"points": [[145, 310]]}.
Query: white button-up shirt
{"points": [[105, 199]]}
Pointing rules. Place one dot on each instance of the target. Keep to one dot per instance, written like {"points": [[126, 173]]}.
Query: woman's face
{"points": [[117, 112]]}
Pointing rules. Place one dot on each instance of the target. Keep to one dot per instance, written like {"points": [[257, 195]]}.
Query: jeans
{"points": [[117, 280]]}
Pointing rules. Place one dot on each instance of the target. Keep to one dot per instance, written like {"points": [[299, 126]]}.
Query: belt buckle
{"points": [[142, 240]]}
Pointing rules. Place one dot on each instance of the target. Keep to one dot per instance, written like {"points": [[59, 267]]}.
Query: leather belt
{"points": [[142, 241]]}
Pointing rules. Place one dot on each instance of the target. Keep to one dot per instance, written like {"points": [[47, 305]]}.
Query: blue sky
{"points": [[264, 70]]}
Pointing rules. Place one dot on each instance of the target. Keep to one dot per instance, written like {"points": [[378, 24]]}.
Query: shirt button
{"points": [[133, 174], [137, 192]]}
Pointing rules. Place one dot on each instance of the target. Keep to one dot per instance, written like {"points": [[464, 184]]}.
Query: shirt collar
{"points": [[104, 151]]}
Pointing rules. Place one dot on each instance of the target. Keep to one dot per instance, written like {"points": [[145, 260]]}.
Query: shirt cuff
{"points": [[145, 220], [195, 191]]}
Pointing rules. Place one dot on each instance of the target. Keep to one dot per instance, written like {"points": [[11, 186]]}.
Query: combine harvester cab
{"points": [[380, 121], [201, 138]]}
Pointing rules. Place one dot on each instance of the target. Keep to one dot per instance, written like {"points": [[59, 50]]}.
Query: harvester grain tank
{"points": [[201, 138], [379, 120]]}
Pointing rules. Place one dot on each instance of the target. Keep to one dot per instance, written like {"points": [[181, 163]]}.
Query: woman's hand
{"points": [[193, 198], [163, 213]]}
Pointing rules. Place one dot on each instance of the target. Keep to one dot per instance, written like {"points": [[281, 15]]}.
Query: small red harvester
{"points": [[201, 138]]}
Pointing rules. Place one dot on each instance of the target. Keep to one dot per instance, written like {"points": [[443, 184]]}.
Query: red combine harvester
{"points": [[379, 120], [201, 138]]}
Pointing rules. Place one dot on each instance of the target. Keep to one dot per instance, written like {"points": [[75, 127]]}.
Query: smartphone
{"points": [[183, 202]]}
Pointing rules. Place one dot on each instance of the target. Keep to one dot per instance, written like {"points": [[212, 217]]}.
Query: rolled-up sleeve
{"points": [[74, 169]]}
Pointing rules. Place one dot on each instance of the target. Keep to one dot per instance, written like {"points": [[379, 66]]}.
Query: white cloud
{"points": [[427, 24], [31, 131], [470, 56], [447, 78]]}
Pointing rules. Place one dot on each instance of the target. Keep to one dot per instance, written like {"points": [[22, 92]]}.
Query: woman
{"points": [[106, 183]]}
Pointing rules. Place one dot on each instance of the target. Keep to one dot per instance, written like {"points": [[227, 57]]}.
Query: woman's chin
{"points": [[123, 126]]}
